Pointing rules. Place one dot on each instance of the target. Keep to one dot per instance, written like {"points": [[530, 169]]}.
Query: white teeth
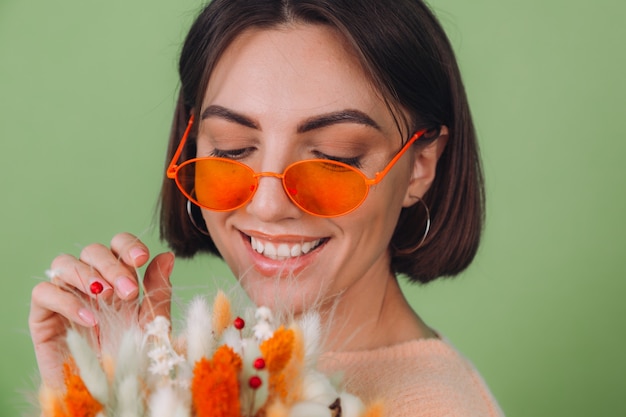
{"points": [[282, 251], [270, 251]]}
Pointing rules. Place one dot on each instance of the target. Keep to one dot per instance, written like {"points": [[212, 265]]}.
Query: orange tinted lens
{"points": [[218, 184], [325, 188]]}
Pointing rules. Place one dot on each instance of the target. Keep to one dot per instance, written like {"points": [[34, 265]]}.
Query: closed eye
{"points": [[352, 161], [232, 153]]}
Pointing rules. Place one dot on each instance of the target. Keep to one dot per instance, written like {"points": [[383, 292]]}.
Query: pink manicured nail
{"points": [[136, 253], [126, 287], [87, 317], [98, 288]]}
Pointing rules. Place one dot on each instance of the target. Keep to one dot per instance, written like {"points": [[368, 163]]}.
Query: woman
{"points": [[370, 96]]}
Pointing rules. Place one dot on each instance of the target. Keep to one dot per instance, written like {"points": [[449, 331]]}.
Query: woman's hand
{"points": [[65, 300]]}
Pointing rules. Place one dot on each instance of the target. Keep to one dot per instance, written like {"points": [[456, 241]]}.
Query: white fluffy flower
{"points": [[262, 331], [263, 314], [159, 328], [160, 361]]}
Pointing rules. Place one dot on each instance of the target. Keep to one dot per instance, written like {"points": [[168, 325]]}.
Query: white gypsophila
{"points": [[263, 314], [160, 363], [159, 328], [163, 357], [262, 331]]}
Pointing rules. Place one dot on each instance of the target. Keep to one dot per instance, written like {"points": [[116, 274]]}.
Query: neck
{"points": [[372, 318]]}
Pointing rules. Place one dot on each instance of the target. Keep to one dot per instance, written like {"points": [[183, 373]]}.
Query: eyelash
{"points": [[231, 153], [353, 161], [244, 152]]}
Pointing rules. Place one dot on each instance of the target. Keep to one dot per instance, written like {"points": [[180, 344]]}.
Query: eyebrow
{"points": [[231, 116], [313, 123], [343, 116]]}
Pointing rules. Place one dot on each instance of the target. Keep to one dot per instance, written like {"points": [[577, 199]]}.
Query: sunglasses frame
{"points": [[173, 168]]}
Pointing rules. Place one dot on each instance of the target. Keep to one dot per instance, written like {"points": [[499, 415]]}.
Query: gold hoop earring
{"points": [[427, 226], [414, 248], [193, 221]]}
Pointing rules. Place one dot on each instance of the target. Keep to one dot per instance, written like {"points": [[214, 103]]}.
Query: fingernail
{"points": [[136, 253], [126, 287], [87, 317], [53, 274], [98, 287]]}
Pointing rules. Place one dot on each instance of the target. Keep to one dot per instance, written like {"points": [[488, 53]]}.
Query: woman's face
{"points": [[286, 94]]}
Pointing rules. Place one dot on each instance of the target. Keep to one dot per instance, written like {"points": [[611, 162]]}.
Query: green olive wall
{"points": [[86, 93]]}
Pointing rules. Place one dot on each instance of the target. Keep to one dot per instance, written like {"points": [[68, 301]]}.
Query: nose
{"points": [[270, 203]]}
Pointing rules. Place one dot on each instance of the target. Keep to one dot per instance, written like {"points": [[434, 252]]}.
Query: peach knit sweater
{"points": [[417, 378]]}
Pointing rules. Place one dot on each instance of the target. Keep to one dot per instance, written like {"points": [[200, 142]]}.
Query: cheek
{"points": [[380, 211], [388, 195], [216, 225]]}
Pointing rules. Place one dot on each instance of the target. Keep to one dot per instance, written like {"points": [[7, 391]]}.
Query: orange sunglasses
{"points": [[320, 187]]}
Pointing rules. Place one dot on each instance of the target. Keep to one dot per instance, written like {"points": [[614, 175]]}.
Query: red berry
{"points": [[259, 363], [255, 382], [96, 287], [239, 323]]}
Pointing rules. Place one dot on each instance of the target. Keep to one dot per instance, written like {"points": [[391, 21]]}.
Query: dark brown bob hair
{"points": [[404, 50]]}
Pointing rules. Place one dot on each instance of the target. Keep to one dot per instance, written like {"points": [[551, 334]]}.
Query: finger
{"points": [[66, 270], [157, 287], [130, 249], [118, 275], [52, 311], [49, 301]]}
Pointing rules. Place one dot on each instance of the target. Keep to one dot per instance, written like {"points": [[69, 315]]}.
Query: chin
{"points": [[283, 294]]}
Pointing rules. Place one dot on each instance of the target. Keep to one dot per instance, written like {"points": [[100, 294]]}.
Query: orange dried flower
{"points": [[51, 402], [222, 315], [277, 351], [214, 388], [276, 409], [290, 385], [78, 400]]}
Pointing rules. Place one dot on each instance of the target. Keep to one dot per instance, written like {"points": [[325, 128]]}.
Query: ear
{"points": [[424, 168]]}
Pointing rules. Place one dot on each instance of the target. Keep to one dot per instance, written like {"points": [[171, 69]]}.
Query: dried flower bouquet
{"points": [[219, 366]]}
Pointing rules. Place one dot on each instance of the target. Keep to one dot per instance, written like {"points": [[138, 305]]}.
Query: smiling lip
{"points": [[276, 256]]}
